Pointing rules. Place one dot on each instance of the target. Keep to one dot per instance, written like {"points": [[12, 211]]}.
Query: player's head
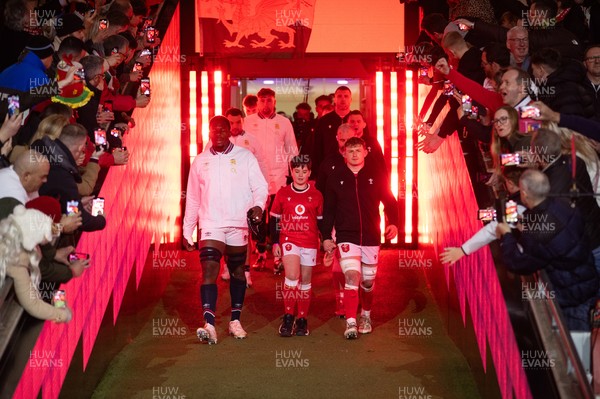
{"points": [[219, 132], [355, 151], [344, 133], [236, 120], [356, 120], [342, 98], [266, 101], [300, 166], [250, 104]]}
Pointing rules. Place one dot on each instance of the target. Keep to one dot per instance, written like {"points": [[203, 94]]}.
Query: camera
{"points": [[103, 24]]}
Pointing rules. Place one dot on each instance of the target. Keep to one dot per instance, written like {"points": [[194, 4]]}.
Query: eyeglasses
{"points": [[519, 39], [594, 58], [502, 120]]}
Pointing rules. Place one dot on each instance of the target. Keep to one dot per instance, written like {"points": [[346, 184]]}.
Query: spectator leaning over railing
{"points": [[20, 234], [552, 238]]}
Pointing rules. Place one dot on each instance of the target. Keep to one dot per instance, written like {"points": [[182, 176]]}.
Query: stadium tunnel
{"points": [[196, 76]]}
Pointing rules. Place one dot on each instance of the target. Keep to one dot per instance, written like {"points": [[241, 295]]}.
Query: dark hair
{"points": [[436, 54], [512, 174], [343, 88], [265, 92], [301, 160], [547, 56], [113, 41], [434, 23], [522, 76], [323, 97], [133, 44], [353, 112], [355, 141], [139, 7], [549, 7], [498, 53], [57, 109], [219, 119], [510, 18], [250, 100], [589, 48], [303, 106], [234, 112], [117, 18], [70, 45]]}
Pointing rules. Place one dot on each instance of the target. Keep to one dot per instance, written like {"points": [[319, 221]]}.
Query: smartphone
{"points": [[123, 148], [115, 50], [424, 72], [145, 52], [147, 23], [115, 132], [145, 86], [59, 299], [80, 74], [98, 206], [529, 126], [138, 67], [107, 106], [74, 256], [510, 212], [530, 111], [13, 105], [151, 34], [486, 215], [474, 112], [448, 88], [103, 24], [100, 137], [72, 207], [463, 27], [466, 103], [513, 159]]}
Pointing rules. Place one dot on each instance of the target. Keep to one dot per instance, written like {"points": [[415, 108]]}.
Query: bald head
{"points": [[534, 186], [32, 168]]}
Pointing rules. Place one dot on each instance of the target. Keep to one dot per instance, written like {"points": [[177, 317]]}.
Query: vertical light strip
{"points": [[408, 189], [394, 135], [204, 105], [379, 107], [218, 79], [193, 117]]}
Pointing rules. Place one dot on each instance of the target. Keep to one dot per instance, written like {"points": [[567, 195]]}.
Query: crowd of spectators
{"points": [[71, 75], [522, 89]]}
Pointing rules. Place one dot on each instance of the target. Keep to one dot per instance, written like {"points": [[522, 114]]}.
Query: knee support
{"points": [[210, 254], [236, 260]]}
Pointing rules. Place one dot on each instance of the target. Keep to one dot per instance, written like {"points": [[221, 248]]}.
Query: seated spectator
{"points": [[591, 81], [560, 249], [30, 72], [68, 152], [24, 178], [20, 234], [559, 85]]}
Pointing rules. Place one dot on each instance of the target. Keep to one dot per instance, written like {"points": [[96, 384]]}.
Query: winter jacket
{"points": [[352, 205], [564, 92]]}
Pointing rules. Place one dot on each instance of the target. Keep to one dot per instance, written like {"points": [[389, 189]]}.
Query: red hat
{"points": [[47, 205], [75, 94]]}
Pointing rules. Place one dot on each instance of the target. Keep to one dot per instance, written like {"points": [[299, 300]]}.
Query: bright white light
{"points": [[268, 82], [342, 82]]}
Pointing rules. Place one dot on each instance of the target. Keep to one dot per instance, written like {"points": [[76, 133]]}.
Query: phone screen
{"points": [[103, 24], [510, 159], [72, 207], [59, 299], [13, 105], [138, 67], [511, 213], [145, 87], [150, 34], [108, 106], [486, 215], [97, 206], [100, 136]]}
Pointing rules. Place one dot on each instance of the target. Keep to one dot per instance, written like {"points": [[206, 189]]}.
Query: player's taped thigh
{"points": [[369, 272], [210, 254], [350, 263]]}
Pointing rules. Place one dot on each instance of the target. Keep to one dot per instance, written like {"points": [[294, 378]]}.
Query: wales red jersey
{"points": [[298, 212]]}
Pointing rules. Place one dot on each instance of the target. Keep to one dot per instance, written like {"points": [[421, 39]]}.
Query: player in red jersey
{"points": [[295, 237]]}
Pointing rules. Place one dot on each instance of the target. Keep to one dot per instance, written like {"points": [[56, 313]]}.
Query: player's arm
{"points": [[192, 203], [258, 184], [319, 210], [329, 209], [390, 205]]}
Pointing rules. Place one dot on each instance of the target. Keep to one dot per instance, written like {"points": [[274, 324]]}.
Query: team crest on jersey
{"points": [[232, 161], [309, 199], [246, 142], [370, 181], [345, 247], [342, 182], [277, 126], [208, 234], [288, 247], [374, 257], [289, 198]]}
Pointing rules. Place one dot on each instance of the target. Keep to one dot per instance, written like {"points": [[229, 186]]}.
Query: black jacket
{"points": [[352, 205], [553, 240], [62, 180], [325, 142], [559, 173]]}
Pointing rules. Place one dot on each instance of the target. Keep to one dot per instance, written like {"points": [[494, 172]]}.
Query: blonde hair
{"points": [[50, 126], [583, 149]]}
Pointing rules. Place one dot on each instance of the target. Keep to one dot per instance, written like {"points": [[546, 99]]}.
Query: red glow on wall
{"points": [[142, 206]]}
